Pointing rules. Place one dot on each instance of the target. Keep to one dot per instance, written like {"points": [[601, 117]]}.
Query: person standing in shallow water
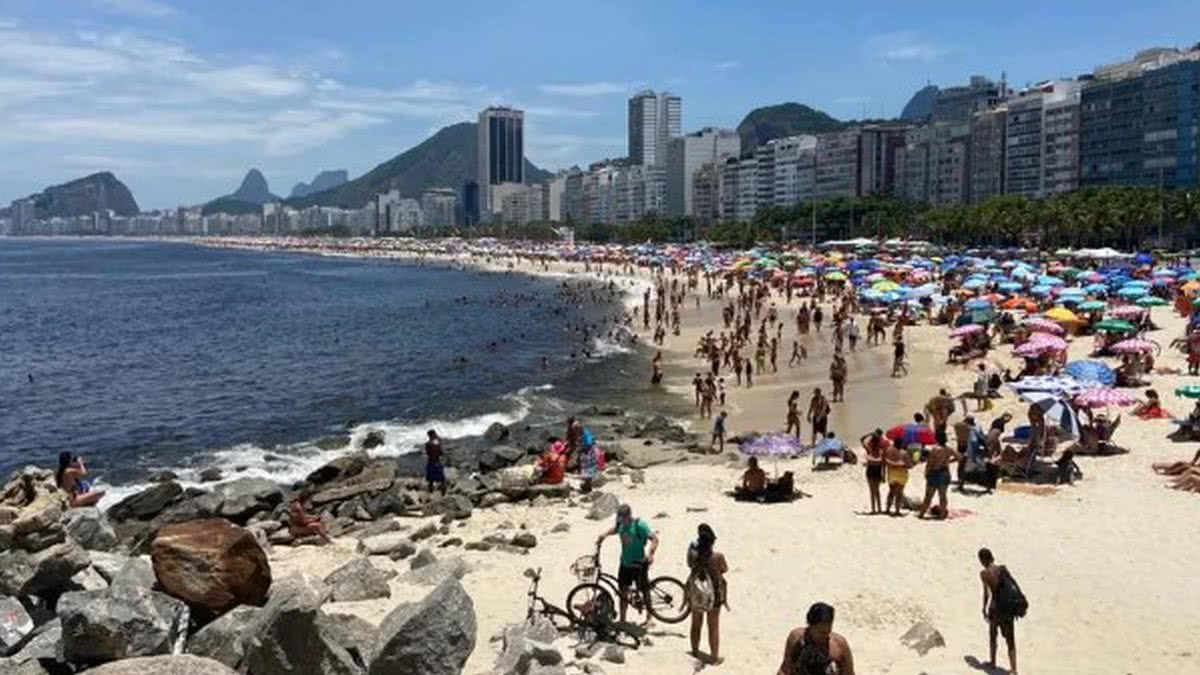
{"points": [[435, 473]]}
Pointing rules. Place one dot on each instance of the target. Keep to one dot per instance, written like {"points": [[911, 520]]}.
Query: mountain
{"points": [[920, 107], [83, 196], [786, 119], [322, 181], [254, 189], [446, 159], [230, 205]]}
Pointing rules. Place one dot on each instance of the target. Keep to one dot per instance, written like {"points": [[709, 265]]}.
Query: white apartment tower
{"points": [[654, 118]]}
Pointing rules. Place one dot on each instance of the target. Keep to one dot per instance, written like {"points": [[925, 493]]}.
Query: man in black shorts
{"points": [[997, 619], [818, 415], [635, 561]]}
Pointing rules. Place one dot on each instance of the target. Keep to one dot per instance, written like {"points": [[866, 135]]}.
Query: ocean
{"points": [[144, 356]]}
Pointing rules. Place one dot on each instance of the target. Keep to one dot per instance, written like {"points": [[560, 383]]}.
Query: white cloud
{"points": [[556, 112], [586, 88], [726, 65], [150, 9], [294, 131], [904, 46], [248, 80]]}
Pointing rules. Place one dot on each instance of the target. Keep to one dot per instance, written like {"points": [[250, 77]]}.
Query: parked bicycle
{"points": [[665, 599], [591, 613]]}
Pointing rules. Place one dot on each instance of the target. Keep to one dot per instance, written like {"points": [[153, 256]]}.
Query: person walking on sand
{"points": [[874, 444], [634, 534], [852, 334], [999, 619], [718, 433], [656, 371], [837, 376], [898, 364], [435, 473], [937, 478], [749, 374], [706, 592], [815, 649], [793, 414], [818, 415]]}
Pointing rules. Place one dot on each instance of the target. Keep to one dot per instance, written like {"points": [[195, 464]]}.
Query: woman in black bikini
{"points": [[874, 443]]}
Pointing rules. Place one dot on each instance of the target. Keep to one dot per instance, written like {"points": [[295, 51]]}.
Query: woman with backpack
{"points": [[706, 591]]}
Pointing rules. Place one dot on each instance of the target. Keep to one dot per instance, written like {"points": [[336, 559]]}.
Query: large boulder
{"points": [[43, 644], [108, 564], [457, 507], [245, 497], [148, 503], [15, 624], [922, 637], [496, 433], [14, 667], [375, 477], [46, 572], [355, 635], [31, 509], [494, 459], [136, 572], [182, 664], [338, 469], [432, 637], [213, 565], [119, 623], [224, 639], [359, 580], [288, 639], [372, 440], [384, 544], [604, 507], [90, 529]]}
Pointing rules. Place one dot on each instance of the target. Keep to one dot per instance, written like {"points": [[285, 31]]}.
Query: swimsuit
{"points": [[897, 475], [938, 478], [875, 472]]}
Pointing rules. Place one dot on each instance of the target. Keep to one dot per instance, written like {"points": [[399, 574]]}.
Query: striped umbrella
{"points": [[1040, 325], [1134, 346], [1127, 311], [968, 329], [1102, 397], [1052, 342]]}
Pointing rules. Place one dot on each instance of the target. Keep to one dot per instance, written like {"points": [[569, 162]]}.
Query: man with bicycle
{"points": [[635, 562]]}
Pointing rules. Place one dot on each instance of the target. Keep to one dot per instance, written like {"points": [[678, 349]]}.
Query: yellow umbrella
{"points": [[885, 286], [1062, 315]]}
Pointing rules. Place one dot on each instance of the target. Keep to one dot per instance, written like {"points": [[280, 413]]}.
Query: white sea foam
{"points": [[603, 347]]}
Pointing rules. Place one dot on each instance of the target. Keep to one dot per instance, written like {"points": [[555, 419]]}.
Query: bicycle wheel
{"points": [[591, 604], [668, 600]]}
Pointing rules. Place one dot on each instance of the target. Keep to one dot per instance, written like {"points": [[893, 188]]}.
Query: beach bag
{"points": [[702, 596], [1010, 601]]}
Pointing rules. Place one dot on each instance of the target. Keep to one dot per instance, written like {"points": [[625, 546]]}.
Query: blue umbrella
{"points": [[972, 284], [1040, 289], [1008, 286], [1096, 288], [1091, 371], [1050, 281], [977, 303], [1132, 292], [1135, 282]]}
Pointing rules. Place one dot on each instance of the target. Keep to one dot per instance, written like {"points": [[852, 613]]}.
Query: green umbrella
{"points": [[1196, 302], [1188, 391], [1151, 301], [1091, 305], [1114, 326]]}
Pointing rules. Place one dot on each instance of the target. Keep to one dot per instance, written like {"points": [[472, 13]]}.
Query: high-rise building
{"points": [[574, 203], [794, 165], [654, 118], [526, 204], [470, 203], [877, 157], [949, 163], [438, 208], [957, 104], [988, 137], [638, 191], [22, 212], [706, 193], [500, 152], [838, 159], [687, 153], [1042, 140]]}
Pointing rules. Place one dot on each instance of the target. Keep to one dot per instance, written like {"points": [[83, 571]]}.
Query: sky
{"points": [[179, 98]]}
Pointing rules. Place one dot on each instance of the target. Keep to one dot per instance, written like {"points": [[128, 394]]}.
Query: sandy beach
{"points": [[1107, 556]]}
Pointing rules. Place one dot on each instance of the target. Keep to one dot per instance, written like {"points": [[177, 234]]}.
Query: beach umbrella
{"points": [[1062, 315], [1134, 346], [1057, 410], [1091, 371], [977, 303], [773, 445], [1127, 311], [1151, 301], [1188, 391], [1103, 397], [911, 433], [1010, 286], [1040, 325], [1132, 292], [1047, 280], [835, 276], [1091, 306], [1023, 304], [1096, 289], [1060, 384], [1040, 290], [1114, 326], [968, 329]]}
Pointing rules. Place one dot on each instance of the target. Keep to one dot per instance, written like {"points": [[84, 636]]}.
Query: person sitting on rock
{"points": [[69, 479], [301, 524]]}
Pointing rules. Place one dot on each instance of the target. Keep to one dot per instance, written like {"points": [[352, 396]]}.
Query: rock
{"points": [[432, 637], [424, 532], [90, 529], [661, 514], [403, 551], [119, 623], [193, 507], [560, 491], [457, 507], [496, 433], [592, 669], [922, 637], [613, 654], [539, 669], [224, 639], [88, 579], [662, 429], [246, 496], [332, 443], [15, 624], [287, 637], [31, 510], [391, 502], [212, 565], [183, 664], [452, 541], [424, 559], [107, 564], [478, 546], [163, 476], [359, 580], [435, 573], [524, 540], [492, 499], [136, 573], [355, 635], [148, 503], [499, 457], [384, 544], [280, 538], [586, 650], [46, 572], [604, 507], [561, 527], [359, 485], [43, 644], [697, 509], [210, 475], [637, 477], [372, 440], [379, 527], [340, 468]]}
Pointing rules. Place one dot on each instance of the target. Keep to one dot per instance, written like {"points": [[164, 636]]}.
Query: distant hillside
{"points": [[248, 198], [786, 119], [446, 159], [322, 181], [231, 205], [920, 107], [97, 192]]}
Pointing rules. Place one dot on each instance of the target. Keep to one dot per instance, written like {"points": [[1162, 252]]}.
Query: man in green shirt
{"points": [[635, 562]]}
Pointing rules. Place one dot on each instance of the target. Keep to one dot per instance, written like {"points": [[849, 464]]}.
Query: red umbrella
{"points": [[911, 434]]}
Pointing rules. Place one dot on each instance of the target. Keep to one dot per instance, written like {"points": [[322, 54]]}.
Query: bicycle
{"points": [[665, 598], [593, 619]]}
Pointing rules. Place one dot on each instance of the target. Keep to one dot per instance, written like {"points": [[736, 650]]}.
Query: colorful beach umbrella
{"points": [[968, 329], [1127, 311], [1134, 346], [1091, 306], [1188, 391], [1062, 315], [1103, 397], [1041, 325], [912, 433], [1114, 326], [1091, 371]]}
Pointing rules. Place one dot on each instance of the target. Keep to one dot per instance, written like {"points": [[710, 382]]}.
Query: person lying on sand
{"points": [[1188, 481]]}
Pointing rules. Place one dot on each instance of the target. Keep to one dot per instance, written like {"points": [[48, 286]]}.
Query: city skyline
{"points": [[179, 101]]}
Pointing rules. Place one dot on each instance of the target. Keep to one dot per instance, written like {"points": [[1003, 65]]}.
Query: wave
{"points": [[603, 347]]}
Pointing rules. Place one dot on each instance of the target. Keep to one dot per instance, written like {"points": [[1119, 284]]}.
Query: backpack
{"points": [[587, 440], [701, 587], [1010, 601]]}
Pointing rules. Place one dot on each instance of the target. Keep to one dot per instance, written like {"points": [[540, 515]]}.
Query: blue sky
{"points": [[179, 98]]}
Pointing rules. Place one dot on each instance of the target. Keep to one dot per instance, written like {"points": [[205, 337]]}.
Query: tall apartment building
{"points": [[1042, 141], [989, 133], [638, 191], [878, 144], [706, 193], [654, 118], [574, 204], [837, 172], [23, 212], [795, 166], [395, 214], [438, 207], [500, 153], [689, 152], [599, 195], [912, 165], [957, 104], [934, 165], [529, 204]]}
